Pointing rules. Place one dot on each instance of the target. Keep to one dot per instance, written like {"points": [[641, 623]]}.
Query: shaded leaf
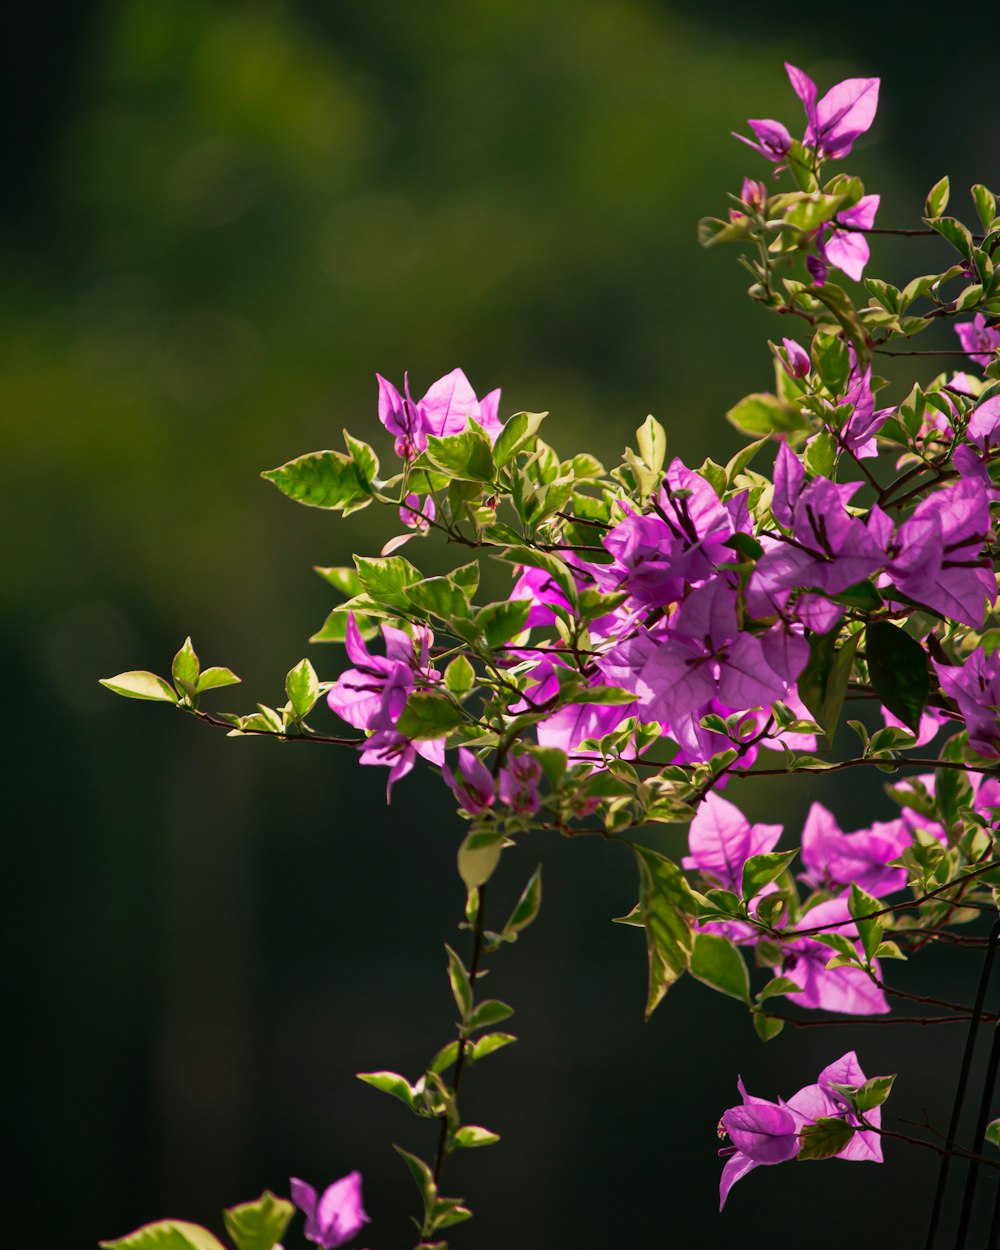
{"points": [[898, 668]]}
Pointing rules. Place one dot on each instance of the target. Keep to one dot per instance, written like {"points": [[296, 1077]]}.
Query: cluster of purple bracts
{"points": [[713, 603], [763, 1133]]}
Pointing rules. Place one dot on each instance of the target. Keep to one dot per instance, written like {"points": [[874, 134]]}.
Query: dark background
{"points": [[219, 221]]}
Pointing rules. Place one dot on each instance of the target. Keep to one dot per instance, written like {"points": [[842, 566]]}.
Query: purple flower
{"points": [[773, 139], [937, 556], [721, 840], [984, 424], [416, 515], [446, 409], [766, 1133], [543, 592], [372, 695], [971, 459], [659, 554], [979, 338], [705, 656], [828, 549], [794, 359], [834, 859], [975, 687], [848, 990], [845, 112], [846, 250], [821, 1100], [517, 784], [753, 194], [335, 1218], [473, 786]]}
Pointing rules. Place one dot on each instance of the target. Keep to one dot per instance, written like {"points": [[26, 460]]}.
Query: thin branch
{"points": [[833, 1021], [463, 1041], [897, 761], [791, 934], [208, 719]]}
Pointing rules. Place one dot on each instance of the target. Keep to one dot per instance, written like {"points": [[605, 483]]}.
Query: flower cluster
{"points": [[667, 632], [825, 1113]]}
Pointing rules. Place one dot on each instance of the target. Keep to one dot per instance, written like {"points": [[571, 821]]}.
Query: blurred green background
{"points": [[220, 219]]}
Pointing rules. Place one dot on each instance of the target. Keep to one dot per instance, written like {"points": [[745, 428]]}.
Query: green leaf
{"points": [[363, 457], [897, 664], [840, 304], [833, 364], [141, 685], [821, 454], [385, 579], [302, 688], [862, 595], [459, 676], [474, 1135], [467, 456], [761, 870], [986, 204], [665, 901], [428, 716], [185, 669], [778, 985], [489, 1012], [345, 580], [501, 622], [823, 681], [213, 678], [716, 962], [937, 198], [390, 1083], [259, 1225], [993, 1132], [334, 628], [808, 211], [761, 414], [874, 1092], [478, 857], [711, 230], [651, 439], [487, 1045], [736, 464], [527, 906], [870, 931], [440, 596], [166, 1235], [323, 479], [461, 986], [956, 234], [515, 436], [422, 1174], [824, 1139], [767, 1027]]}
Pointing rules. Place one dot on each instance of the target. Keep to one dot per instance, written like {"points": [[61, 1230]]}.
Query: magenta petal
{"points": [[763, 1131], [736, 1168], [848, 252], [448, 404], [305, 1198], [339, 1212]]}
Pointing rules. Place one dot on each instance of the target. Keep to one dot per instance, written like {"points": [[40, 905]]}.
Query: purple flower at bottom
{"points": [[765, 1133], [337, 1216]]}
